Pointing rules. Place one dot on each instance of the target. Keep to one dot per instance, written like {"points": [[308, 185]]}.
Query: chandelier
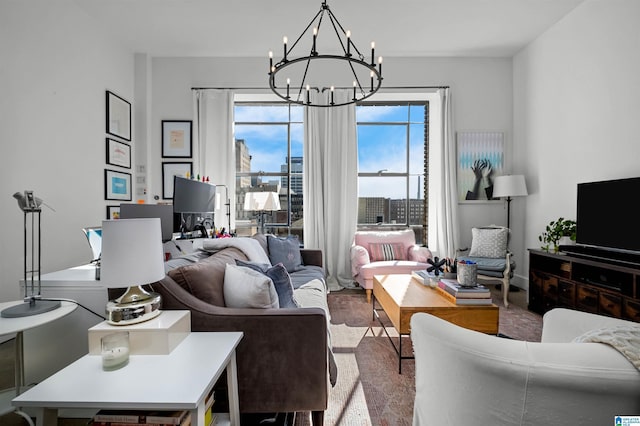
{"points": [[344, 65]]}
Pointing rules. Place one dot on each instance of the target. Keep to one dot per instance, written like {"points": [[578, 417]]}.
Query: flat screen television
{"points": [[606, 218]]}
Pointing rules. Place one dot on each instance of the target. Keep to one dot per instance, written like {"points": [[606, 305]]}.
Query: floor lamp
{"points": [[509, 186], [261, 202]]}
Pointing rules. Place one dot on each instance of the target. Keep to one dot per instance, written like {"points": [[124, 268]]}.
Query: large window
{"points": [[269, 158], [392, 153]]}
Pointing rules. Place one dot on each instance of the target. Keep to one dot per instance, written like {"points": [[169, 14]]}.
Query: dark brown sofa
{"points": [[282, 360]]}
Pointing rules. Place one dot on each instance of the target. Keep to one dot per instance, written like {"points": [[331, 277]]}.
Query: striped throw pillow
{"points": [[387, 251]]}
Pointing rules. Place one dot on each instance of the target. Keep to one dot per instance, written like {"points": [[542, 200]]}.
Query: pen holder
{"points": [[467, 274]]}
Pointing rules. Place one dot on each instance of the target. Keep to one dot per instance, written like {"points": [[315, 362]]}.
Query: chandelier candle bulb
{"points": [[315, 35], [348, 43], [284, 41], [332, 95], [373, 54], [372, 74], [270, 61], [308, 93], [288, 83], [354, 90], [380, 65]]}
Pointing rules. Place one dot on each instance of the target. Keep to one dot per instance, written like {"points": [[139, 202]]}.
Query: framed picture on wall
{"points": [[117, 185], [118, 116], [176, 138], [480, 159], [169, 170], [118, 153], [113, 212]]}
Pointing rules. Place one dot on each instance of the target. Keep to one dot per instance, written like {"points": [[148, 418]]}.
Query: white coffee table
{"points": [[180, 380]]}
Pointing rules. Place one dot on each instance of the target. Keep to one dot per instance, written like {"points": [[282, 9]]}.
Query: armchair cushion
{"points": [[489, 242], [387, 251], [492, 266]]}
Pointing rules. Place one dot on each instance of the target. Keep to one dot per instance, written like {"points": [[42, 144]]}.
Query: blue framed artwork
{"points": [[117, 185], [480, 159]]}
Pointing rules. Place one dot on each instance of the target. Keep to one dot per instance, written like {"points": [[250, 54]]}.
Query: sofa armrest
{"points": [[562, 325], [359, 258], [282, 357], [420, 254], [311, 257]]}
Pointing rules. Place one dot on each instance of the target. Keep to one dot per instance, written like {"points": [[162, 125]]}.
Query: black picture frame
{"points": [[117, 185], [118, 153], [177, 138], [118, 122], [113, 212], [171, 169]]}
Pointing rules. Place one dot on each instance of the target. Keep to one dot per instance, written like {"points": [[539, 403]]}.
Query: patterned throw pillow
{"points": [[387, 251], [281, 280], [285, 251], [489, 242]]}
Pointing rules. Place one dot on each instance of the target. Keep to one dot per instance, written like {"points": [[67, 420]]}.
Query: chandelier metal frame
{"points": [[351, 54]]}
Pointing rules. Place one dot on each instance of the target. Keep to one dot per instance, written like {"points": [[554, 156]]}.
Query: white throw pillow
{"points": [[246, 288], [489, 242]]}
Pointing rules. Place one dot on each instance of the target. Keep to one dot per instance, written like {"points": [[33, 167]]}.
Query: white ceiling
{"points": [[400, 27]]}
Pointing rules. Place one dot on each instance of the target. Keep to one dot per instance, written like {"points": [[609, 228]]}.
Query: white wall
{"points": [[576, 108], [56, 65], [481, 90]]}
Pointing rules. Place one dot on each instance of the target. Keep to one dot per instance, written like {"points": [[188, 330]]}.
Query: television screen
{"points": [[192, 196], [162, 211], [605, 216]]}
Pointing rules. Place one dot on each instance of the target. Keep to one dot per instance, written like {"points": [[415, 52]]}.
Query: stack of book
{"points": [[142, 418], [456, 293]]}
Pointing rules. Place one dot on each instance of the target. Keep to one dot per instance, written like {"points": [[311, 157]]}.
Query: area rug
{"points": [[369, 390]]}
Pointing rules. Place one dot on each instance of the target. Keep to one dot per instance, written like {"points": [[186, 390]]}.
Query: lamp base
{"points": [[136, 305], [32, 306]]}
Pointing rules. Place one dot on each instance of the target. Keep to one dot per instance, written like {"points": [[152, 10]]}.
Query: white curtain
{"points": [[331, 185], [214, 145], [447, 200]]}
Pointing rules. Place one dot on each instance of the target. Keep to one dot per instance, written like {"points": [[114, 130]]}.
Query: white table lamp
{"points": [[132, 256], [261, 202], [509, 186]]}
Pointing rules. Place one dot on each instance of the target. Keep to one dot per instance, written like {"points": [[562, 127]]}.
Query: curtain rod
{"points": [[315, 88]]}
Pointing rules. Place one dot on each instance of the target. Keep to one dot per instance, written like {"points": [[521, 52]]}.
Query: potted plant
{"points": [[555, 230]]}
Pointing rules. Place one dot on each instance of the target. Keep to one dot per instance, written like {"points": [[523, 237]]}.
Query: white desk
{"points": [[180, 380], [17, 326], [53, 346]]}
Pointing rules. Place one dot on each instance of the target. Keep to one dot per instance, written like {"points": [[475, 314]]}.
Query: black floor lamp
{"points": [[509, 186]]}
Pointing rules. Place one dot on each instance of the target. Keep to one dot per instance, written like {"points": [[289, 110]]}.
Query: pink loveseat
{"points": [[385, 252]]}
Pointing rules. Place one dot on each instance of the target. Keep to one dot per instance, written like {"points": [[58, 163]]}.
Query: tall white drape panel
{"points": [[214, 144], [331, 186], [447, 199]]}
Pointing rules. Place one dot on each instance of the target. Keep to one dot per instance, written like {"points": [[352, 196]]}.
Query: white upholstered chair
{"points": [[490, 251], [466, 377]]}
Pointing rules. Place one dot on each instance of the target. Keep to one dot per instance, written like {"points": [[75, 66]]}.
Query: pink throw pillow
{"points": [[387, 251]]}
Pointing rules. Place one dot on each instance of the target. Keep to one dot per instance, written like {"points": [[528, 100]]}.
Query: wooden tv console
{"points": [[600, 286]]}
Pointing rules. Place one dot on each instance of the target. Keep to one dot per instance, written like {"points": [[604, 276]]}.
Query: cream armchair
{"points": [[385, 252], [466, 377]]}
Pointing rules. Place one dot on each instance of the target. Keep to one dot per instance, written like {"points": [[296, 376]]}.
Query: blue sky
{"points": [[376, 143]]}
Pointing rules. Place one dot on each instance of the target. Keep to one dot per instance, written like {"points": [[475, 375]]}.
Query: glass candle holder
{"points": [[115, 350]]}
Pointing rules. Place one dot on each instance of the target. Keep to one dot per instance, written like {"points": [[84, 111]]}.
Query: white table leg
{"points": [[232, 389], [46, 417]]}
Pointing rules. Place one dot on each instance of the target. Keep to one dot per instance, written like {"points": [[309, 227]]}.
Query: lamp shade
{"points": [[261, 201], [509, 186], [132, 252]]}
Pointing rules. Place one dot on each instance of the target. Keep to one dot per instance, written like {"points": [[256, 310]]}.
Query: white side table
{"points": [[180, 380], [17, 326]]}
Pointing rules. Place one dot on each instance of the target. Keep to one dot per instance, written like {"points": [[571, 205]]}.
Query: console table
{"points": [[180, 380], [593, 285]]}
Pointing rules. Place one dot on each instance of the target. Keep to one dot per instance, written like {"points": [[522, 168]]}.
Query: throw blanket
{"points": [[625, 339], [250, 247]]}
